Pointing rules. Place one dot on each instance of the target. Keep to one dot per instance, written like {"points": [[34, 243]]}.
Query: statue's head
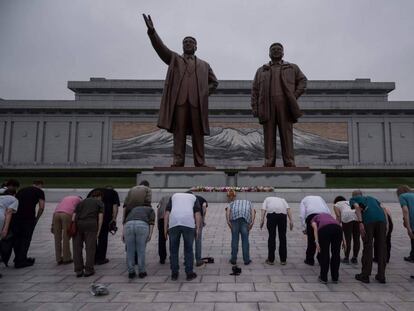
{"points": [[189, 45], [276, 51]]}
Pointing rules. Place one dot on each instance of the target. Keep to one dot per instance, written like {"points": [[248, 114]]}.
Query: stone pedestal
{"points": [[273, 177]]}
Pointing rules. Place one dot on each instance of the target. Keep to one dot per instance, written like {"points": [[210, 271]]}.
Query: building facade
{"points": [[112, 123]]}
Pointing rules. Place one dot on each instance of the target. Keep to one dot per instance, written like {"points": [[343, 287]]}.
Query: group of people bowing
{"points": [[183, 214]]}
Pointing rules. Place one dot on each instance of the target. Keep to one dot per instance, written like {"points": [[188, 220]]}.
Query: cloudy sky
{"points": [[45, 43]]}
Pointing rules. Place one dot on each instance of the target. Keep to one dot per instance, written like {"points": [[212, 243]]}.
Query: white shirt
{"points": [[7, 201], [347, 214], [312, 204], [182, 210], [275, 205]]}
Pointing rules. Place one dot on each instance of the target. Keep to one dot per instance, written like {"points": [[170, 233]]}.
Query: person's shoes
{"points": [[309, 263], [335, 281], [87, 274], [60, 262], [31, 259], [409, 259], [162, 261], [283, 263], [142, 275], [271, 263], [247, 263], [380, 280], [200, 263], [174, 276], [102, 262], [322, 281], [412, 276], [354, 260], [233, 262], [67, 262], [191, 276], [345, 260], [23, 264], [361, 278], [79, 274]]}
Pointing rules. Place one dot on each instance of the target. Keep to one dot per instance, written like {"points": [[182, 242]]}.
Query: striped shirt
{"points": [[241, 209]]}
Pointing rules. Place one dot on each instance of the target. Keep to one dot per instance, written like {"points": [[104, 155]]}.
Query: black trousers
{"points": [[330, 238], [162, 245], [412, 248], [276, 222], [374, 231], [22, 231], [351, 232], [102, 243], [388, 242], [311, 247]]}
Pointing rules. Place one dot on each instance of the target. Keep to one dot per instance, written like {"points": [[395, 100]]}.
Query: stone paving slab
{"points": [[47, 286]]}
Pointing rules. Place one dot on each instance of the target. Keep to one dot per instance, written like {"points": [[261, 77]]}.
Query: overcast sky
{"points": [[45, 43]]}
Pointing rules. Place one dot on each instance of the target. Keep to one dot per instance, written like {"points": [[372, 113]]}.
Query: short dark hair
{"points": [[12, 182], [9, 192], [339, 199], [190, 37], [403, 189], [277, 43], [356, 193], [144, 183], [97, 194]]}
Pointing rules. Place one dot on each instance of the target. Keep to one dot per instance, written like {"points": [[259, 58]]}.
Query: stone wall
{"points": [[112, 123]]}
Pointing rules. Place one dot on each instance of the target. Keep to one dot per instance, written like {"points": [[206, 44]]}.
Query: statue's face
{"points": [[189, 46], [276, 52]]}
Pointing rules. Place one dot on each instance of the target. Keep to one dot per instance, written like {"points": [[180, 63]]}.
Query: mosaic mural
{"points": [[230, 144]]}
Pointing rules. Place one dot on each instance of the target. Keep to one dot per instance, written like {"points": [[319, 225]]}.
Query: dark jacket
{"points": [[293, 83], [206, 81]]}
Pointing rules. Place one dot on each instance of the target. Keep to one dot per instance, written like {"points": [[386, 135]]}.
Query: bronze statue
{"points": [[184, 103], [276, 88]]}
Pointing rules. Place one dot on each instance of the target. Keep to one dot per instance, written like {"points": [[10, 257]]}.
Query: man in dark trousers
{"points": [[184, 103], [276, 88], [373, 227], [25, 220], [111, 202]]}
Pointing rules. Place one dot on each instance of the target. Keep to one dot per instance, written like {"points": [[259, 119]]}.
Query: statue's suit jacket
{"points": [[293, 83], [206, 84]]}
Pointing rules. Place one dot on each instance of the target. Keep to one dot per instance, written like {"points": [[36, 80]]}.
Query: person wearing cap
{"points": [[184, 104], [276, 87]]}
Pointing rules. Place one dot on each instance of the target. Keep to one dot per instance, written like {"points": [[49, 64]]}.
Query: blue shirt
{"points": [[371, 209], [407, 199], [241, 209]]}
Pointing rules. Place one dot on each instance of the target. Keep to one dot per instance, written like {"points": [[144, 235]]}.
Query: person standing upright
{"points": [[184, 103], [276, 210], [275, 90], [373, 227], [25, 220], [309, 207]]}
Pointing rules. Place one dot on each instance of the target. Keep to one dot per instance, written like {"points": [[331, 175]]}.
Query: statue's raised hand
{"points": [[148, 22]]}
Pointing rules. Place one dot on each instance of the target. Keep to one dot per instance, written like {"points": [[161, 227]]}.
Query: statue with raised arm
{"points": [[276, 87], [184, 103]]}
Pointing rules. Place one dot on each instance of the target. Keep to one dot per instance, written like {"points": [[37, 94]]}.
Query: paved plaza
{"points": [[46, 286]]}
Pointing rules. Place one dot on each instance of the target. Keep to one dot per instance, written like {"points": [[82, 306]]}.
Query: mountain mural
{"points": [[229, 147]]}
